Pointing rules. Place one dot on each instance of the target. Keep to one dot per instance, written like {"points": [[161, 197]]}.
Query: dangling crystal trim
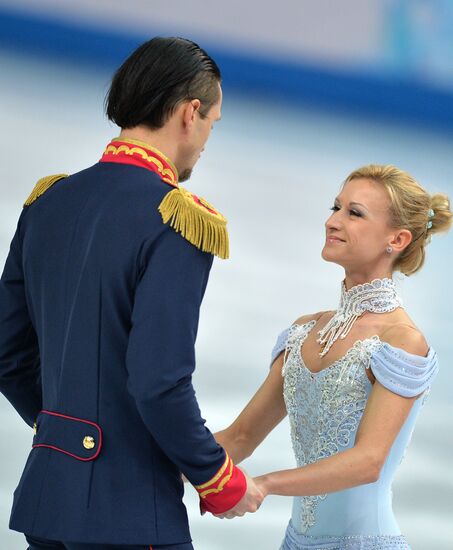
{"points": [[379, 296]]}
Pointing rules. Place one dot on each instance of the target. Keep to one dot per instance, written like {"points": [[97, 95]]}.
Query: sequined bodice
{"points": [[324, 408]]}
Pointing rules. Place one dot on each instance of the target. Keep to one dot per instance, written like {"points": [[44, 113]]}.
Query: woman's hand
{"points": [[250, 502], [262, 482]]}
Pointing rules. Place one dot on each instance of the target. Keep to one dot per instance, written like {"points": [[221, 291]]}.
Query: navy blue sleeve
{"points": [[20, 379], [161, 353]]}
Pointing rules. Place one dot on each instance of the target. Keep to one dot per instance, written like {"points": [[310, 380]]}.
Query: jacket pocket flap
{"points": [[76, 437]]}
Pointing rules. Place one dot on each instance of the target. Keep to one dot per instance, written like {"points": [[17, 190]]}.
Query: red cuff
{"points": [[224, 490]]}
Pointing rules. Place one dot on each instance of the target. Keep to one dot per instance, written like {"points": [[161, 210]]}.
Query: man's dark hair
{"points": [[156, 77]]}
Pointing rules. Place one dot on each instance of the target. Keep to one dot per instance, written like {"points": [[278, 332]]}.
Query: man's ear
{"points": [[401, 240], [189, 111]]}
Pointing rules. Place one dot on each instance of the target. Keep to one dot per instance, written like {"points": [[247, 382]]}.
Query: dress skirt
{"points": [[298, 541]]}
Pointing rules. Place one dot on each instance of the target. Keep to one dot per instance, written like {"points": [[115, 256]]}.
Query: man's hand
{"points": [[250, 502]]}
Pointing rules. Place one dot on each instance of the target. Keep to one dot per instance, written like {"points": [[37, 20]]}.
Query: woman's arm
{"points": [[384, 415], [262, 414], [265, 410]]}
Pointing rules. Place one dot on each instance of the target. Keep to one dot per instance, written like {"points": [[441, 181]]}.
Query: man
{"points": [[99, 306]]}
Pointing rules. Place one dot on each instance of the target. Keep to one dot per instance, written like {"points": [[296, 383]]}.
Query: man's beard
{"points": [[185, 174]]}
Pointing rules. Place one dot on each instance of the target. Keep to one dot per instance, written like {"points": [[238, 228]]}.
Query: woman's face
{"points": [[358, 230]]}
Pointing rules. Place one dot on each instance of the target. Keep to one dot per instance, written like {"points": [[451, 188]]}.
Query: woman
{"points": [[351, 380]]}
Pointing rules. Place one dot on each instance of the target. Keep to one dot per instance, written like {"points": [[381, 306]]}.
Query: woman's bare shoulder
{"points": [[312, 317], [407, 337]]}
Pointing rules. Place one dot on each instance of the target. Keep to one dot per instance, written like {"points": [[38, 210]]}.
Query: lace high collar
{"points": [[378, 296]]}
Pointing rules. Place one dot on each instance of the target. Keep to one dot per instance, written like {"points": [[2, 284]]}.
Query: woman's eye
{"points": [[352, 212]]}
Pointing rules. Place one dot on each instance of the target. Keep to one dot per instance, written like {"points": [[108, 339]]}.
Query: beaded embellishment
{"points": [[379, 296], [324, 408], [294, 541]]}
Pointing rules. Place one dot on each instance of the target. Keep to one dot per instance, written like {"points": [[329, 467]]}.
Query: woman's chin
{"points": [[329, 255]]}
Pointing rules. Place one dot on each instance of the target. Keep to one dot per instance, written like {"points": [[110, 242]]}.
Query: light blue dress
{"points": [[324, 411]]}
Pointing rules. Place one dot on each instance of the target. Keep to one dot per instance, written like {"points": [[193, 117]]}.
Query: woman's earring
{"points": [[389, 249]]}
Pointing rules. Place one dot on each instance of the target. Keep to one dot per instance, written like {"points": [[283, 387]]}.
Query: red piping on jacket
{"points": [[66, 452]]}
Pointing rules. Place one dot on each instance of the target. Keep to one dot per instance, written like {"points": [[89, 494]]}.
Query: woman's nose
{"points": [[333, 221]]}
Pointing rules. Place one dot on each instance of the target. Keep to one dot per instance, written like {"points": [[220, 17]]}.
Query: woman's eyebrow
{"points": [[353, 203], [359, 204]]}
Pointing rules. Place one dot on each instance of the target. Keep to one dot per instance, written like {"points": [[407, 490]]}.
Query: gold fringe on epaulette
{"points": [[204, 229], [42, 186]]}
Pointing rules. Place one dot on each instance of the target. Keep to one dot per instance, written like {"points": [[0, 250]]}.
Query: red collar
{"points": [[139, 153]]}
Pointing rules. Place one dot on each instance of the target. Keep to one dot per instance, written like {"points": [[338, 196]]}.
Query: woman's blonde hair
{"points": [[410, 208]]}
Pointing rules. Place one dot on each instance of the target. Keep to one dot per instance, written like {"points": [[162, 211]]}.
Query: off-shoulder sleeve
{"points": [[402, 372], [280, 344]]}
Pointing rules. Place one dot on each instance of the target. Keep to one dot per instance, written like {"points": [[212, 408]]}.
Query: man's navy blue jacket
{"points": [[99, 307]]}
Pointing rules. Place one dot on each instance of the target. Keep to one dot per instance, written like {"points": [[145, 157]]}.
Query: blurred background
{"points": [[312, 91]]}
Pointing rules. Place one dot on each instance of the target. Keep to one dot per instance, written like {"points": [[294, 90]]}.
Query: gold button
{"points": [[88, 442], [35, 427]]}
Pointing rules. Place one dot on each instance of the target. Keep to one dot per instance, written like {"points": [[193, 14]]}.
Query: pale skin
{"points": [[182, 139], [357, 235]]}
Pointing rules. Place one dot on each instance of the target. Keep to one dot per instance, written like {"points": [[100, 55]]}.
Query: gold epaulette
{"points": [[42, 186], [197, 221]]}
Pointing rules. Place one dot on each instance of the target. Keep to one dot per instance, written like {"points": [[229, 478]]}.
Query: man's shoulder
{"points": [[112, 181], [134, 181], [122, 199], [136, 200], [125, 192]]}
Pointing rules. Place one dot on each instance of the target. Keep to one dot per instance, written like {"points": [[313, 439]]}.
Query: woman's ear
{"points": [[401, 240]]}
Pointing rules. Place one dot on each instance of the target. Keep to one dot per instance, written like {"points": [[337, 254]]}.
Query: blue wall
{"points": [[396, 99]]}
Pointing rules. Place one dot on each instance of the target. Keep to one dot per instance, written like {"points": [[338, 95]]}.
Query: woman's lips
{"points": [[334, 240]]}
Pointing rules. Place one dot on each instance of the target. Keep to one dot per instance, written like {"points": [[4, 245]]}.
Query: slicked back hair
{"points": [[156, 78]]}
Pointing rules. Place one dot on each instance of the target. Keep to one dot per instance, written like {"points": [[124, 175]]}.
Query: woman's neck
{"points": [[354, 279]]}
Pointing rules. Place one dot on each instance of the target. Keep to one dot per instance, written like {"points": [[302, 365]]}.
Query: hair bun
{"points": [[412, 208], [443, 216]]}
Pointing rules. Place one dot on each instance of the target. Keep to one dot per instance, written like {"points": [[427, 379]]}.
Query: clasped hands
{"points": [[250, 502]]}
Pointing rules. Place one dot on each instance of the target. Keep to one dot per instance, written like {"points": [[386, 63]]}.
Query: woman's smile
{"points": [[330, 239]]}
